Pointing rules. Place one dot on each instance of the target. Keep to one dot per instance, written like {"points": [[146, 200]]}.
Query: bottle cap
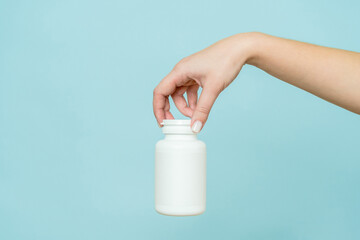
{"points": [[172, 126]]}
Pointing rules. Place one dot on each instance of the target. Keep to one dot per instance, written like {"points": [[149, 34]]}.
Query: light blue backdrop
{"points": [[77, 133]]}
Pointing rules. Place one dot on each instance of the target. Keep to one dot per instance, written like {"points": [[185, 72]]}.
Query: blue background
{"points": [[77, 133]]}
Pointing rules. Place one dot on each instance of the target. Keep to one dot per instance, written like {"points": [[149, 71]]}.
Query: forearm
{"points": [[331, 74]]}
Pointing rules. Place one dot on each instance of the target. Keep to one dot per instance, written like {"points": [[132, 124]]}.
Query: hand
{"points": [[332, 74], [212, 69]]}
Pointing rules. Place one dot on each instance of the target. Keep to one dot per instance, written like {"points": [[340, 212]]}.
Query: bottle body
{"points": [[180, 175]]}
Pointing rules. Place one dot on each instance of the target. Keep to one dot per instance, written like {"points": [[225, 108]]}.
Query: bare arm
{"points": [[331, 74]]}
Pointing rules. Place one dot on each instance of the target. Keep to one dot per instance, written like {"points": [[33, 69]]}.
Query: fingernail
{"points": [[196, 127]]}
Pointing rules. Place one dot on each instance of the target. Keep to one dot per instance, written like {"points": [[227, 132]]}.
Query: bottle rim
{"points": [[176, 122], [172, 126]]}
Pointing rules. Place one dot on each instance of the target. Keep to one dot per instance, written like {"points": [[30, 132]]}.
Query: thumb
{"points": [[203, 107]]}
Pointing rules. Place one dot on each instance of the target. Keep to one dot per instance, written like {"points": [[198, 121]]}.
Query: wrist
{"points": [[250, 47]]}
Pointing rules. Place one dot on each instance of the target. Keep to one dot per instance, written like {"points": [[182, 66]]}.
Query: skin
{"points": [[331, 74]]}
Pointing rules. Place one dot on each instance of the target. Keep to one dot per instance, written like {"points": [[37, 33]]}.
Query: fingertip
{"points": [[197, 126], [159, 121], [159, 116]]}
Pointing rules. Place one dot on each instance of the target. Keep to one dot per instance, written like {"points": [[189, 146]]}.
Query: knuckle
{"points": [[184, 60], [203, 110], [180, 66], [155, 91]]}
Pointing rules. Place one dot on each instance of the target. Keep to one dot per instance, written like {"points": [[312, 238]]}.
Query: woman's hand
{"points": [[212, 69], [332, 74]]}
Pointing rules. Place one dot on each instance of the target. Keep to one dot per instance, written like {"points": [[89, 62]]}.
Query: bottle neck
{"points": [[186, 137]]}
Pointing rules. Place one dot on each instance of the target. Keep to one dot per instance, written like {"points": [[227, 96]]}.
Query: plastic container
{"points": [[180, 171]]}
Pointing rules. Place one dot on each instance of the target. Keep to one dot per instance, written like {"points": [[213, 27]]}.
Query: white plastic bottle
{"points": [[180, 171]]}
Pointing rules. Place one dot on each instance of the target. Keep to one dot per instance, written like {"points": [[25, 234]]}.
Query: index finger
{"points": [[163, 90]]}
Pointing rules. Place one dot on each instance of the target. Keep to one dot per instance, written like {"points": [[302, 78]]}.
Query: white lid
{"points": [[172, 126]]}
